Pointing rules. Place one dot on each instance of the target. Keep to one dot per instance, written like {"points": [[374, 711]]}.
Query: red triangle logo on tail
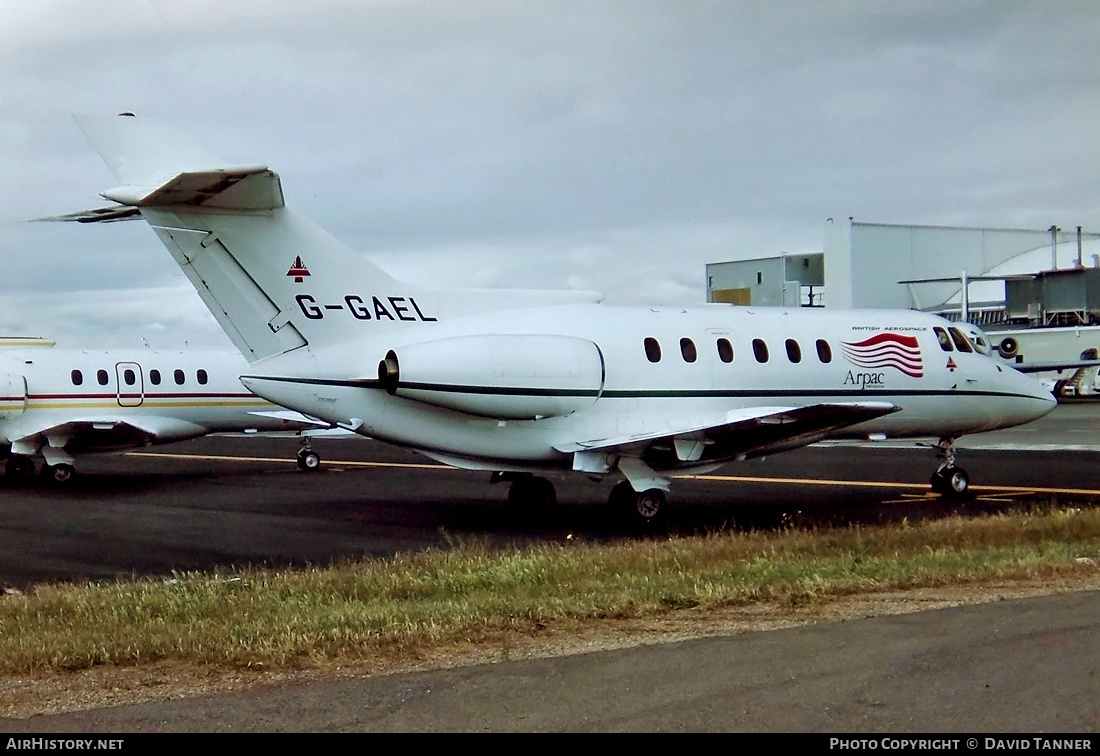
{"points": [[298, 270]]}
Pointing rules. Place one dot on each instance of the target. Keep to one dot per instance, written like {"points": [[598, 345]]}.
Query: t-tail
{"points": [[273, 280]]}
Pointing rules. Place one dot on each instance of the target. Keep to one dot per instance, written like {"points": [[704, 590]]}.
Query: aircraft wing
{"points": [[1047, 367], [101, 434], [738, 434]]}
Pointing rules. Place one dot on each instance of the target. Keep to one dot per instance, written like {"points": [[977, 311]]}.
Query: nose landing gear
{"points": [[949, 480]]}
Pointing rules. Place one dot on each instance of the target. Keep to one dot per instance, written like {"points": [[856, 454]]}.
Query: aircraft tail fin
{"points": [[269, 276], [274, 281]]}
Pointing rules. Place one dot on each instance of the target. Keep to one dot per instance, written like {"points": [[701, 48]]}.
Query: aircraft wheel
{"points": [[59, 474], [19, 466], [649, 506], [532, 492], [622, 497], [958, 482], [309, 460], [953, 482]]}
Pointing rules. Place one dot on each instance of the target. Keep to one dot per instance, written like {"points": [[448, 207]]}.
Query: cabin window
{"points": [[652, 350], [760, 350], [201, 375], [77, 376], [687, 349], [725, 350], [824, 351], [178, 376], [154, 377], [129, 377], [944, 339], [794, 351], [102, 377], [960, 340]]}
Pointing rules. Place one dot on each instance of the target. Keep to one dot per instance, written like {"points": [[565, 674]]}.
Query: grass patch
{"points": [[414, 604]]}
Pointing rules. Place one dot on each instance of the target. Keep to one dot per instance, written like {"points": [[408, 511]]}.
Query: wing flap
{"points": [[739, 433], [97, 434]]}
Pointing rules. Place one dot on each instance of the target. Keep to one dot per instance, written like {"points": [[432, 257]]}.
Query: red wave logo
{"points": [[886, 350]]}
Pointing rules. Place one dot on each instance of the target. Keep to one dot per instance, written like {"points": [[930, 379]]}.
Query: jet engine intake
{"points": [[503, 376]]}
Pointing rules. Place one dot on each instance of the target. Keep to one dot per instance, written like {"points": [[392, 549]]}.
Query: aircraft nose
{"points": [[1036, 400]]}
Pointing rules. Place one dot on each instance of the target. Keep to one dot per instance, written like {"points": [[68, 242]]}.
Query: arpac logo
{"points": [[298, 270], [886, 350]]}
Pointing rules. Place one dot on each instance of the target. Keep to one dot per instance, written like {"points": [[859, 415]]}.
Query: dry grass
{"points": [[419, 605]]}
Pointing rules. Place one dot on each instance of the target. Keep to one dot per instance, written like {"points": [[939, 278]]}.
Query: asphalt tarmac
{"points": [[225, 502]]}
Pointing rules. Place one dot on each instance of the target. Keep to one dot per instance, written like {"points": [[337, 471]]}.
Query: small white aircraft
{"points": [[523, 382], [60, 403]]}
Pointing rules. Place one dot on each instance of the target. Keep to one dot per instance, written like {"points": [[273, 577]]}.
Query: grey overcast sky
{"points": [[617, 145]]}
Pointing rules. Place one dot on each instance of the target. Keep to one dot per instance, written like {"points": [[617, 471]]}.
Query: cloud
{"points": [[611, 144]]}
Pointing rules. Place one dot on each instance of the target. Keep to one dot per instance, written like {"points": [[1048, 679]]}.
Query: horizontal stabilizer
{"points": [[160, 166], [99, 215], [235, 188]]}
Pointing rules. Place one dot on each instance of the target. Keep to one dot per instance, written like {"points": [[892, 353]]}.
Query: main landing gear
{"points": [[949, 480], [532, 493], [58, 474], [644, 508], [527, 491], [20, 469]]}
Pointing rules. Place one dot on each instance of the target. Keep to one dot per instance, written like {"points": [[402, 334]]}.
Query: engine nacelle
{"points": [[504, 376]]}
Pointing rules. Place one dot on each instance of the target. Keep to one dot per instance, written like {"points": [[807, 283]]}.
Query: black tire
{"points": [[958, 482], [309, 460], [58, 475], [535, 493], [951, 482], [19, 467], [622, 498], [650, 506]]}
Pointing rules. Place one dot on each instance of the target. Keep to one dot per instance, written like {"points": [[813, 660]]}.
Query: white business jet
{"points": [[523, 382], [61, 403]]}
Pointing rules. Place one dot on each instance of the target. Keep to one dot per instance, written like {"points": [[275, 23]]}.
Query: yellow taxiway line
{"points": [[714, 478], [341, 463]]}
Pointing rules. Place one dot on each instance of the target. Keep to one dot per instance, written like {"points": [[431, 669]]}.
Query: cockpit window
{"points": [[960, 340], [944, 339], [979, 342]]}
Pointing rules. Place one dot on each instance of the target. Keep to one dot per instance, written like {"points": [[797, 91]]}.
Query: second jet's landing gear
{"points": [[949, 480], [308, 459]]}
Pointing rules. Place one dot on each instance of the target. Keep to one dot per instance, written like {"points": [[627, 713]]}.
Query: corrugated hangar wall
{"points": [[864, 261]]}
